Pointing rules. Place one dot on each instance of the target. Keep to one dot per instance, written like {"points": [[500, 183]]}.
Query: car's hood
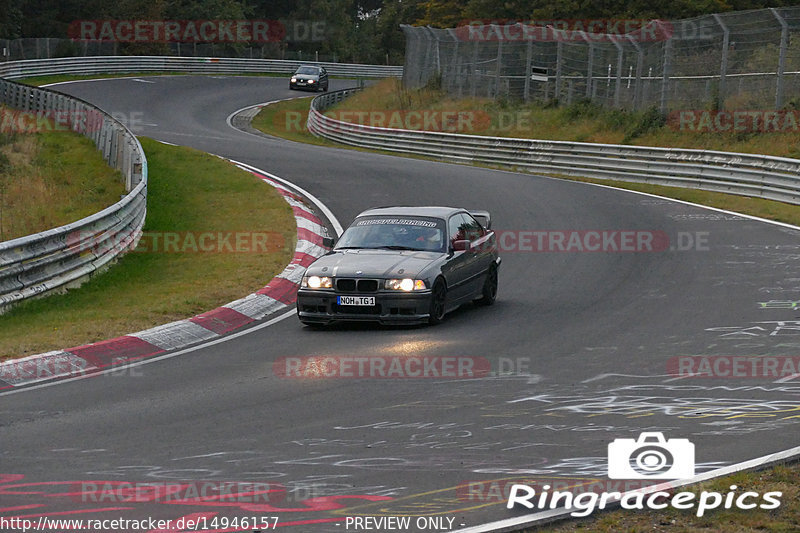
{"points": [[373, 263], [306, 76]]}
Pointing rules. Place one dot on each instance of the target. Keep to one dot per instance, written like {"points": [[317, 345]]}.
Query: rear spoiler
{"points": [[483, 217]]}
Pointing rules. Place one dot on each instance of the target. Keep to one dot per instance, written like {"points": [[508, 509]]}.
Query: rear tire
{"points": [[438, 302], [489, 291]]}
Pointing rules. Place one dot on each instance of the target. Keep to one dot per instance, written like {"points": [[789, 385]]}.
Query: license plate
{"points": [[355, 300]]}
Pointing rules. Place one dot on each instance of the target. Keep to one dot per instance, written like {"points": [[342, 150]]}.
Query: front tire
{"points": [[438, 302], [489, 291]]}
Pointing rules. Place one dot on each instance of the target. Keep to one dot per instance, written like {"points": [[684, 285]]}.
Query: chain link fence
{"points": [[738, 60]]}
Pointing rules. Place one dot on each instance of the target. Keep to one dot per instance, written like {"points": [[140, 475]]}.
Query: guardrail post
{"points": [[781, 58], [723, 62]]}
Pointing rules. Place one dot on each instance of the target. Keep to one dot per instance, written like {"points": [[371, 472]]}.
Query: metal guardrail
{"points": [[64, 256], [196, 65], [773, 178]]}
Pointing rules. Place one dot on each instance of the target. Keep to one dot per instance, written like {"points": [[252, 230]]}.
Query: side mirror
{"points": [[461, 246], [328, 242]]}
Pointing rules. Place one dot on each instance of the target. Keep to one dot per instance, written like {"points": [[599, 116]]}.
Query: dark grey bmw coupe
{"points": [[403, 265]]}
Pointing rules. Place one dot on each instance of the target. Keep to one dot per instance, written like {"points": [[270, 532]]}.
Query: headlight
{"points": [[310, 81], [406, 284], [316, 282], [294, 80]]}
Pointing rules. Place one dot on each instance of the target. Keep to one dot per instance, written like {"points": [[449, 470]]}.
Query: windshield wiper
{"points": [[396, 247]]}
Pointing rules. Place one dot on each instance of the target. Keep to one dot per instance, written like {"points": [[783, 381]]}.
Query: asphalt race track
{"points": [[579, 343]]}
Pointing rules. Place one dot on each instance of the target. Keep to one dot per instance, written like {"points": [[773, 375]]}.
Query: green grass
{"points": [[38, 81], [53, 178], [784, 519], [287, 119], [188, 191]]}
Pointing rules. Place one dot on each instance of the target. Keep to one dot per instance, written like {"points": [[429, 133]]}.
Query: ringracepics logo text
{"points": [[649, 457]]}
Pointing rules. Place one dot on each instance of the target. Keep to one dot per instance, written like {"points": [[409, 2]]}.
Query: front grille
{"points": [[347, 285], [368, 285], [360, 285]]}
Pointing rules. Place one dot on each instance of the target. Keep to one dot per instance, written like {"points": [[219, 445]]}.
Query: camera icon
{"points": [[650, 457]]}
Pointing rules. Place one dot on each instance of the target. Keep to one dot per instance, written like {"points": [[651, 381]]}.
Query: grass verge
{"points": [[287, 119], [786, 518], [189, 193], [51, 178]]}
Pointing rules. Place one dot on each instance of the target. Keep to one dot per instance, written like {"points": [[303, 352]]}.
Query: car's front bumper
{"points": [[320, 307], [304, 85]]}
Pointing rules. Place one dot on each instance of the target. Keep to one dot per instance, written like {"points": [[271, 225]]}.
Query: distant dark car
{"points": [[311, 78], [403, 265]]}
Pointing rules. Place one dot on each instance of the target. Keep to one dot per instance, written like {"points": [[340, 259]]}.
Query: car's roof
{"points": [[308, 66], [406, 211]]}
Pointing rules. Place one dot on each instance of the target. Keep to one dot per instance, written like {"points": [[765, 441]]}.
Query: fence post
{"points": [[528, 61], [499, 64], [454, 64], [781, 58], [474, 74], [590, 66], [665, 75], [426, 69], [723, 66], [438, 58], [618, 84], [559, 52], [637, 89]]}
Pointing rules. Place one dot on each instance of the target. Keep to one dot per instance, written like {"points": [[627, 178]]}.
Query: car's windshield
{"points": [[307, 70], [395, 233]]}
